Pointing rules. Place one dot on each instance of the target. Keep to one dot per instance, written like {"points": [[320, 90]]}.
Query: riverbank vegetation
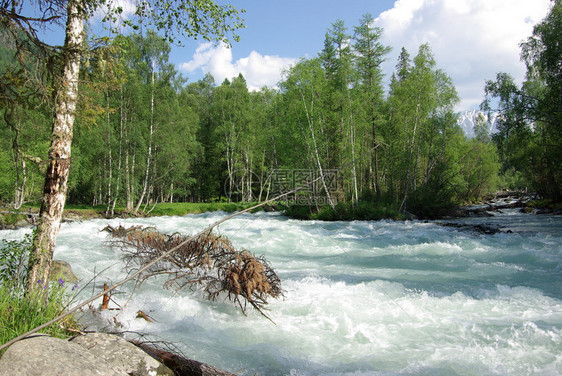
{"points": [[529, 140], [330, 141], [20, 312], [27, 213], [145, 137]]}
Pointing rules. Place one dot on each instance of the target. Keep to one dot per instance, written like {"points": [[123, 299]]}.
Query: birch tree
{"points": [[155, 53], [304, 86], [198, 18], [422, 100]]}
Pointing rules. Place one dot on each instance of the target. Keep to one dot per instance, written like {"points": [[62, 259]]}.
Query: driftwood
{"points": [[208, 261], [119, 232], [180, 365]]}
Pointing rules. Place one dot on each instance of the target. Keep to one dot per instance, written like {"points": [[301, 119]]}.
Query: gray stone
{"points": [[62, 269], [120, 352], [93, 354], [42, 355]]}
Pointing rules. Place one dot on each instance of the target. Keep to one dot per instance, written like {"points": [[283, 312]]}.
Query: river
{"points": [[361, 298]]}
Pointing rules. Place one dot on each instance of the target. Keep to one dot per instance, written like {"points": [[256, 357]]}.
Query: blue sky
{"points": [[471, 40], [297, 27], [284, 31]]}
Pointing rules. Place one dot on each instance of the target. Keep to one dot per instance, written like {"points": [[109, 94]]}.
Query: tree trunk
{"points": [[181, 365], [316, 154], [56, 176], [230, 161], [355, 193], [128, 190], [150, 134], [109, 198], [404, 205], [20, 186], [130, 180], [122, 120], [376, 161]]}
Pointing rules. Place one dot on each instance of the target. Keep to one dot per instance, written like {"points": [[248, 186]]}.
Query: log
{"points": [[180, 365]]}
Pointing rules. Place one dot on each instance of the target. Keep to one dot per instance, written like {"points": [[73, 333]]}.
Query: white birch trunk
{"points": [[110, 161], [56, 177], [149, 152], [20, 188], [316, 154]]}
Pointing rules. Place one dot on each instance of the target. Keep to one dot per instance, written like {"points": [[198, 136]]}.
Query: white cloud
{"points": [[258, 70], [471, 40], [128, 8]]}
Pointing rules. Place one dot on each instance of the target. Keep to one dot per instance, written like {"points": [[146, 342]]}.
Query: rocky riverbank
{"points": [[527, 203], [96, 354], [93, 353], [10, 219]]}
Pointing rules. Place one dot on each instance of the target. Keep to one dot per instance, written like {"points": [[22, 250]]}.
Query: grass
{"points": [[166, 208], [183, 208], [176, 208], [20, 314], [364, 210]]}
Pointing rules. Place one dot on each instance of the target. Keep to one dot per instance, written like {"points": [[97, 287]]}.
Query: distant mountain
{"points": [[467, 121]]}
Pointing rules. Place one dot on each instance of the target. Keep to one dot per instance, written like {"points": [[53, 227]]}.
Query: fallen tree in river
{"points": [[207, 261], [203, 232]]}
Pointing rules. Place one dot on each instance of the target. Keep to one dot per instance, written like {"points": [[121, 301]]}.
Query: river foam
{"points": [[361, 298]]}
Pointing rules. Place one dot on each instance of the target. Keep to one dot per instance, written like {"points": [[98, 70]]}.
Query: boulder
{"points": [[91, 354], [62, 270], [120, 352], [42, 355]]}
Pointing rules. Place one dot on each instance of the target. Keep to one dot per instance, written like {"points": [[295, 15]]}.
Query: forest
{"points": [[144, 135]]}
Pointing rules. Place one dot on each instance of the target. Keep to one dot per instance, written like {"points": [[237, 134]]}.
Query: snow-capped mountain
{"points": [[467, 121]]}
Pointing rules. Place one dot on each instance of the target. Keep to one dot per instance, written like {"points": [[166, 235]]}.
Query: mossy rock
{"points": [[62, 270]]}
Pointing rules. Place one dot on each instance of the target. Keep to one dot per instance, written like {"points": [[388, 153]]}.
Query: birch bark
{"points": [[56, 177]]}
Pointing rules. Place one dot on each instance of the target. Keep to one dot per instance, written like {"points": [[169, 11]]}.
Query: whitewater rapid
{"points": [[361, 298]]}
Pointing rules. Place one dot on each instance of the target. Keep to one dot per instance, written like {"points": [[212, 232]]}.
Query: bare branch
{"points": [[208, 261]]}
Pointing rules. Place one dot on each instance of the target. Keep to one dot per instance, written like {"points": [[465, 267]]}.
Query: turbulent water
{"points": [[362, 298]]}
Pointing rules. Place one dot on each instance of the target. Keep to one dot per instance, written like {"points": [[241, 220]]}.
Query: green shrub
{"points": [[298, 211], [345, 211], [183, 208], [13, 261], [514, 180], [431, 201], [12, 218]]}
